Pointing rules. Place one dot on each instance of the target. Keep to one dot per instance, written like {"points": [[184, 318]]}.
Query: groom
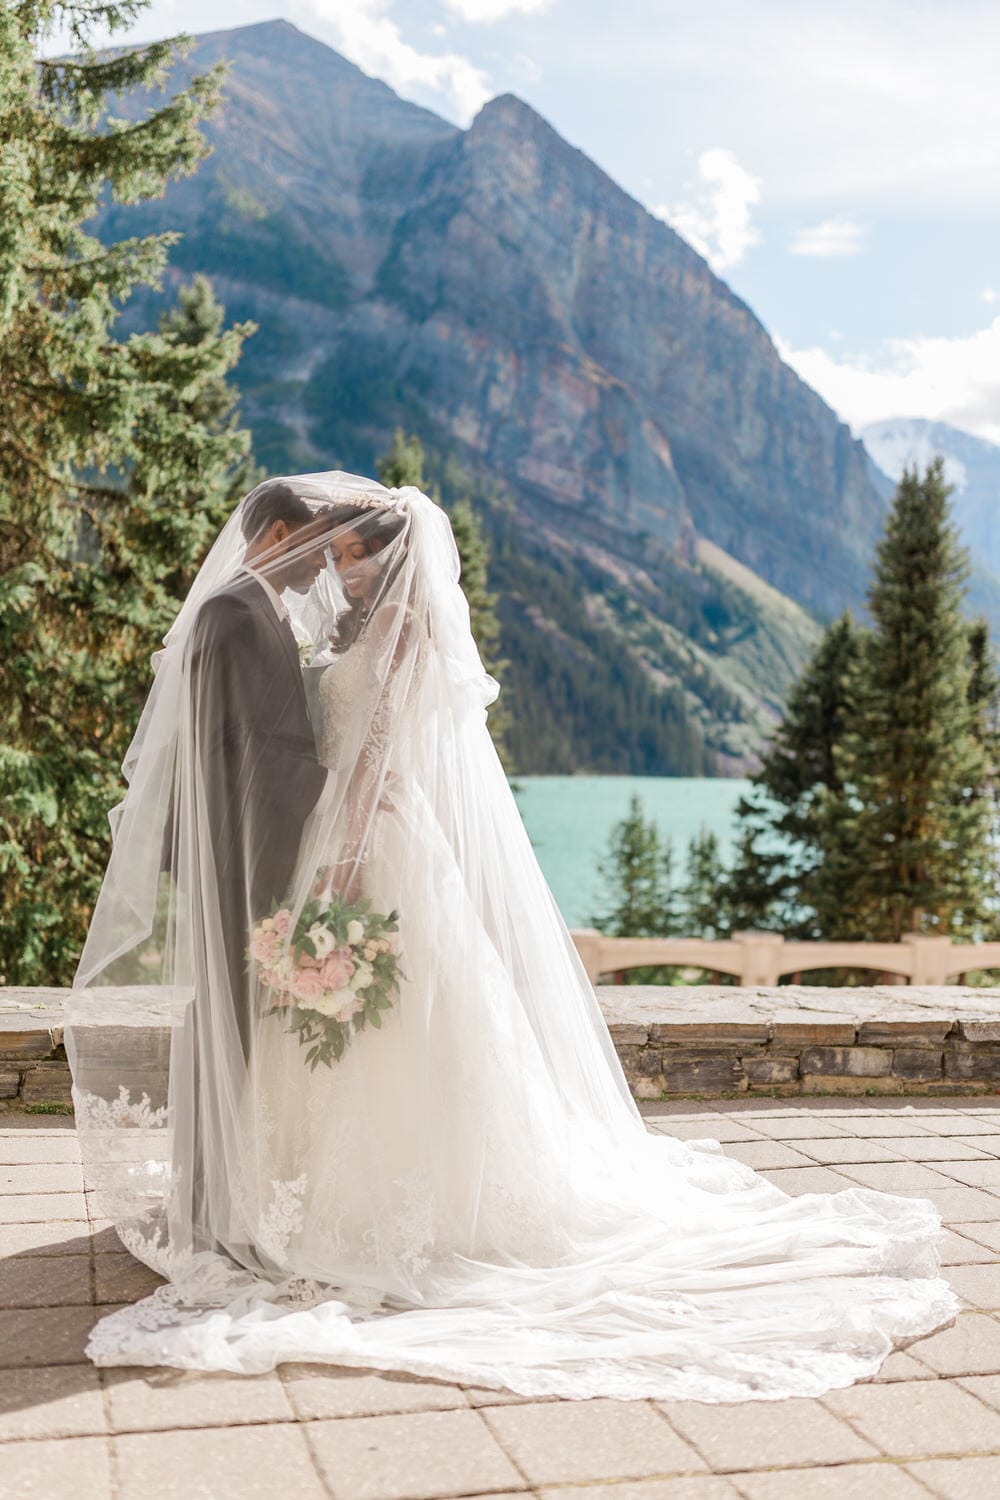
{"points": [[255, 780], [255, 753]]}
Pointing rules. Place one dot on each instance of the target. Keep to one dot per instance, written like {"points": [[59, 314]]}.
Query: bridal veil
{"points": [[465, 1188]]}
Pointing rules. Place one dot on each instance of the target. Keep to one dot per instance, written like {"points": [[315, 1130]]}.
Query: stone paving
{"points": [[929, 1424]]}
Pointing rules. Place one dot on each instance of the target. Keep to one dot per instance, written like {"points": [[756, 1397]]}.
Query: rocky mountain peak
{"points": [[509, 112], [496, 291]]}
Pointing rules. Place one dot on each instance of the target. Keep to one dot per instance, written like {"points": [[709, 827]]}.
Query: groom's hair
{"points": [[269, 502]]}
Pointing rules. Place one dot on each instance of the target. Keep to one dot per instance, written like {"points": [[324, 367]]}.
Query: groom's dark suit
{"points": [[256, 778], [258, 773]]}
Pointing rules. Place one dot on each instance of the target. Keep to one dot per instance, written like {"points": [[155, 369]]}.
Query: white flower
{"points": [[322, 939], [355, 931], [362, 976], [325, 1003], [350, 1006], [341, 1005]]}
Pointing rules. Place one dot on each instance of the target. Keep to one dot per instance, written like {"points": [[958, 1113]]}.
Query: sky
{"points": [[837, 161]]}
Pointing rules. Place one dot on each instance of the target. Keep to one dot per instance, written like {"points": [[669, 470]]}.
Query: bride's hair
{"points": [[377, 528]]}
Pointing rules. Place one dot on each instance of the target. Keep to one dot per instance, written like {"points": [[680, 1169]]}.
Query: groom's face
{"points": [[294, 556]]}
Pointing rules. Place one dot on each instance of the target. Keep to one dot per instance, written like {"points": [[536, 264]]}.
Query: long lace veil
{"points": [[339, 1074]]}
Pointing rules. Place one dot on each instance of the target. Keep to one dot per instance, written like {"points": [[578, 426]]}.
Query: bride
{"points": [[395, 1133]]}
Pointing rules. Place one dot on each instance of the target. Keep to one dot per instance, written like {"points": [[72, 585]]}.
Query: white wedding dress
{"points": [[469, 1193]]}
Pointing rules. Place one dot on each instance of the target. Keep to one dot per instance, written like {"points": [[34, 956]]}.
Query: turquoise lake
{"points": [[569, 820]]}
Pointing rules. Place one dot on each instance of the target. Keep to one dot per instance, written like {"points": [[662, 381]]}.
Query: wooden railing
{"points": [[762, 958]]}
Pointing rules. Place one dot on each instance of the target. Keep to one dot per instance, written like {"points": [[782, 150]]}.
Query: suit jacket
{"points": [[255, 749], [257, 775]]}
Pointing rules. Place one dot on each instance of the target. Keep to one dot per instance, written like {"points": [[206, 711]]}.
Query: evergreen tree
{"points": [[701, 915], [212, 403], [984, 698], [115, 455], [907, 830], [474, 555], [403, 461], [781, 878], [565, 659], [874, 810], [637, 877]]}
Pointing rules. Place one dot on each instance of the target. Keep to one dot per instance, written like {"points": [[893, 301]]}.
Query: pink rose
{"points": [[264, 948], [335, 972], [281, 922], [307, 986], [306, 961]]}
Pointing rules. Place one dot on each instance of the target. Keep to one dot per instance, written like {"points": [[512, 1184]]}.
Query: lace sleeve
{"points": [[377, 780], [395, 633]]}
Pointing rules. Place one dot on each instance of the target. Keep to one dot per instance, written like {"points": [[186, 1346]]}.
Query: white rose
{"points": [[322, 939], [362, 976], [325, 1004], [355, 931]]}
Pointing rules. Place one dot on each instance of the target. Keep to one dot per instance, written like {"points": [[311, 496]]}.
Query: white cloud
{"points": [[363, 32], [867, 102], [493, 10], [840, 235], [989, 294], [948, 380], [718, 223]]}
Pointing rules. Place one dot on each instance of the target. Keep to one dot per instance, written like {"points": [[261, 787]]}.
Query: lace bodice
{"points": [[341, 689]]}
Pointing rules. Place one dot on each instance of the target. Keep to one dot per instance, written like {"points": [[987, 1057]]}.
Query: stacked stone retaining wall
{"points": [[805, 1040], [672, 1041]]}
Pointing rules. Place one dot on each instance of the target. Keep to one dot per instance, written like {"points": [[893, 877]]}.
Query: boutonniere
{"points": [[306, 649]]}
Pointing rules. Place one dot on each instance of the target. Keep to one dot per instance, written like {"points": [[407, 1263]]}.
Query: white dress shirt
{"points": [[277, 603]]}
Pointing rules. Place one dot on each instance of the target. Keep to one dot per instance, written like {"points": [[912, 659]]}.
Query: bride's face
{"points": [[353, 561]]}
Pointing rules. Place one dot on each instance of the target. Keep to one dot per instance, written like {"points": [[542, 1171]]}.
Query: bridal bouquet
{"points": [[331, 973]]}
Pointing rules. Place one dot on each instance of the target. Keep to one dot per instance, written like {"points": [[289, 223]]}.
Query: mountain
{"points": [[972, 468], [670, 505]]}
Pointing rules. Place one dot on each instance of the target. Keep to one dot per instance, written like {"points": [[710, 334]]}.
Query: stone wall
{"points": [[673, 1042], [897, 1039], [33, 1067]]}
